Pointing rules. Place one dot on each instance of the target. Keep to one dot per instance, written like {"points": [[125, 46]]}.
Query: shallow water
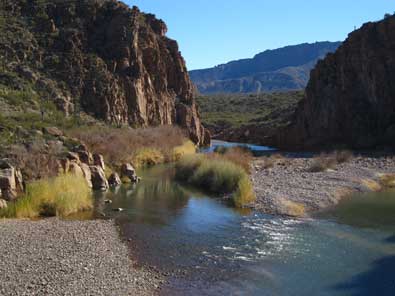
{"points": [[208, 248]]}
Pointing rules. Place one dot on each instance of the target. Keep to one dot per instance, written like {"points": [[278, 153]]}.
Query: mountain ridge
{"points": [[281, 69]]}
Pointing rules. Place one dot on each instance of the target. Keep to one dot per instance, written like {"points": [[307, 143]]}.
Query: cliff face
{"points": [[282, 69], [350, 99], [104, 58]]}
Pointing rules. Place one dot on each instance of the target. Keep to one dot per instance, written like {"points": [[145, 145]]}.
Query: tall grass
{"points": [[60, 196], [218, 175]]}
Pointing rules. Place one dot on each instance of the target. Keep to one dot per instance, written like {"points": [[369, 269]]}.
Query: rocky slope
{"points": [[100, 57], [350, 99], [281, 69]]}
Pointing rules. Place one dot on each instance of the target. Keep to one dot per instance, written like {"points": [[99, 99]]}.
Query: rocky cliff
{"points": [[282, 69], [350, 99], [100, 57]]}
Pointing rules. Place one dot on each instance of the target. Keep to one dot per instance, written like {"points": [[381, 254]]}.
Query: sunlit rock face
{"points": [[112, 61], [350, 99]]}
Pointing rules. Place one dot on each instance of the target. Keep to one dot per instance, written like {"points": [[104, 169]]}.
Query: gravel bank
{"points": [[287, 186], [54, 257]]}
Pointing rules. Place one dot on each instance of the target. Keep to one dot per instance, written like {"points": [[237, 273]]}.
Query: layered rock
{"points": [[350, 99], [11, 181], [112, 61]]}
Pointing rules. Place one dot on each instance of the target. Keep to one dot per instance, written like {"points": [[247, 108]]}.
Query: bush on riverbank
{"points": [[143, 146], [60, 196], [218, 175], [327, 161]]}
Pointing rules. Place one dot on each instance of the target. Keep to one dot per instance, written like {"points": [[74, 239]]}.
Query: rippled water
{"points": [[209, 248]]}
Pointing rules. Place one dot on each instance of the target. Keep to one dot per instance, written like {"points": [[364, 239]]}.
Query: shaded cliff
{"points": [[100, 57], [350, 99], [282, 69]]}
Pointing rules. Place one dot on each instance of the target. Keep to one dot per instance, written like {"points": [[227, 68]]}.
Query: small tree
{"points": [[387, 15]]}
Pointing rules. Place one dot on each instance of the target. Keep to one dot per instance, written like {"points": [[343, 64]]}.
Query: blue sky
{"points": [[212, 32]]}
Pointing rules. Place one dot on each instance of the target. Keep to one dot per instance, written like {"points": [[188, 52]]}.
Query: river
{"points": [[209, 248]]}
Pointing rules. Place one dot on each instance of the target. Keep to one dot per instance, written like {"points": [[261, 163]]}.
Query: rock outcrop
{"points": [[103, 57], [11, 182], [350, 99]]}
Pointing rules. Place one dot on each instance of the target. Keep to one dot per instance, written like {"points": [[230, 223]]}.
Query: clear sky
{"points": [[212, 32]]}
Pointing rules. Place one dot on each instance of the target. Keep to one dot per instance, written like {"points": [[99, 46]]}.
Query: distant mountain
{"points": [[282, 69]]}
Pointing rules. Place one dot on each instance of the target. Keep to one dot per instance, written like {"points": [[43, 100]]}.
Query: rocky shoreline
{"points": [[289, 188], [55, 257]]}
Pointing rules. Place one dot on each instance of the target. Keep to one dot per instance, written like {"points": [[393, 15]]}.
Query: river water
{"points": [[208, 248]]}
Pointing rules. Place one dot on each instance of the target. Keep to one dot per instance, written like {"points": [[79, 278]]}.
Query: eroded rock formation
{"points": [[114, 62], [350, 99]]}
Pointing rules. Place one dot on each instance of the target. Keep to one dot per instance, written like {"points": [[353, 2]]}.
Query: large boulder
{"points": [[85, 157], [11, 181], [98, 160], [99, 181], [86, 171], [53, 131], [127, 170], [114, 180]]}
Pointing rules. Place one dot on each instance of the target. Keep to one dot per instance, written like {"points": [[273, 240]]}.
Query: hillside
{"points": [[251, 118], [282, 69], [350, 98], [100, 58]]}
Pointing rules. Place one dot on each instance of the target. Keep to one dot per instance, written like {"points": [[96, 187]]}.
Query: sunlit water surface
{"points": [[208, 248]]}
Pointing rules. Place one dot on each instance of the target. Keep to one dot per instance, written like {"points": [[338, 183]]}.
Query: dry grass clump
{"points": [[120, 145], [291, 208], [218, 175], [60, 196], [388, 180], [185, 149], [326, 161], [148, 157]]}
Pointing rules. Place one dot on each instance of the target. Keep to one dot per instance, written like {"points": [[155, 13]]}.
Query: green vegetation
{"points": [[60, 196], [218, 175], [235, 110]]}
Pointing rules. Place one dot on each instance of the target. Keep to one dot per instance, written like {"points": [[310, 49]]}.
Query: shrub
{"points": [[343, 156], [148, 157], [118, 145], [218, 175], [60, 196], [239, 156], [185, 149], [322, 163]]}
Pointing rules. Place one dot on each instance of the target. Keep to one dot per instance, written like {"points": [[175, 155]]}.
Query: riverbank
{"points": [[288, 187], [55, 257]]}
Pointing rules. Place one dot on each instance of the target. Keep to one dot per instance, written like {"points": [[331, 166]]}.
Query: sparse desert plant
{"points": [[244, 194], [322, 163], [388, 180], [239, 156], [343, 156], [60, 196]]}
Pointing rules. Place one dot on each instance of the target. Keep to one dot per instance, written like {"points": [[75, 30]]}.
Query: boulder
{"points": [[98, 160], [114, 180], [11, 180], [73, 157], [85, 157], [127, 170], [99, 181], [87, 174], [53, 131], [75, 169]]}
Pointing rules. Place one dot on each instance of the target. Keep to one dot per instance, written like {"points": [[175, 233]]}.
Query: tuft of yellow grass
{"points": [[60, 196], [387, 180], [244, 194], [187, 148], [148, 157], [292, 208], [372, 185]]}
